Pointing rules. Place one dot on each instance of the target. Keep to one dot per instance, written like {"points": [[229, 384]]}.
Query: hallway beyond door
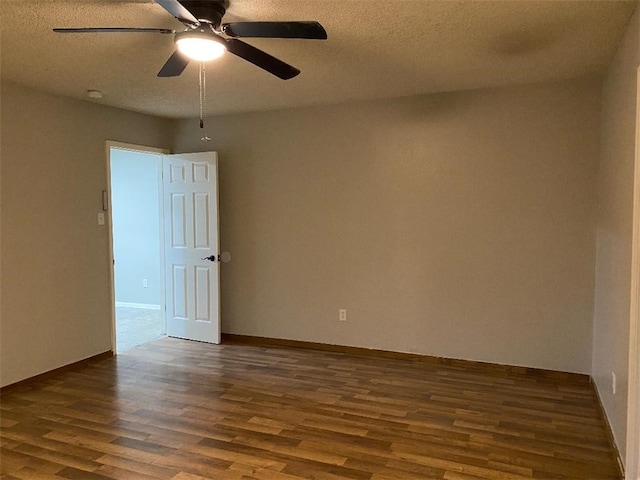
{"points": [[136, 326]]}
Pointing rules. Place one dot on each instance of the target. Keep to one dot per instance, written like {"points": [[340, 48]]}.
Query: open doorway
{"points": [[632, 464], [136, 230], [633, 408], [165, 244]]}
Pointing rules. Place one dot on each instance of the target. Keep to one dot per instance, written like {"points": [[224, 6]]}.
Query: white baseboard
{"points": [[148, 306], [610, 434]]}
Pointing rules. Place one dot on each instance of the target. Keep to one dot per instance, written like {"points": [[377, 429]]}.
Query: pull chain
{"points": [[202, 79]]}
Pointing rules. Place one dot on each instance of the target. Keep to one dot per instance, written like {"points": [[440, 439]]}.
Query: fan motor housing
{"points": [[210, 11]]}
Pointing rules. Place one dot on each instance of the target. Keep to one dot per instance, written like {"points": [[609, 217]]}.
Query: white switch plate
{"points": [[100, 218]]}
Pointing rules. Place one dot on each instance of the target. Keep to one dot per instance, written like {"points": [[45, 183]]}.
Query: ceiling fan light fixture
{"points": [[200, 45]]}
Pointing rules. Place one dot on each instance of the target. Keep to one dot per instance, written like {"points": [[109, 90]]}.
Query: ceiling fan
{"points": [[205, 36]]}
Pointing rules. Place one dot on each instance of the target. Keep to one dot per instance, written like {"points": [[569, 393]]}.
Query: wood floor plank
{"points": [[123, 474], [28, 473], [180, 410], [134, 466]]}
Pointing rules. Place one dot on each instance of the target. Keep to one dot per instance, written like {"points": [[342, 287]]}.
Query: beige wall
{"points": [[459, 225], [55, 268], [615, 222]]}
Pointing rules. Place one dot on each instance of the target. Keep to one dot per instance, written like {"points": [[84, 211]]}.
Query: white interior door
{"points": [[192, 282]]}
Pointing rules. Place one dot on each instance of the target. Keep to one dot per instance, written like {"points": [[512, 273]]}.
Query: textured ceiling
{"points": [[376, 49]]}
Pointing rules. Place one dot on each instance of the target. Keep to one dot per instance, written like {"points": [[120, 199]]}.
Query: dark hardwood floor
{"points": [[181, 410]]}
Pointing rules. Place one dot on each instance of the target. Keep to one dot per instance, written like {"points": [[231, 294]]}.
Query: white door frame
{"points": [[632, 462], [109, 144]]}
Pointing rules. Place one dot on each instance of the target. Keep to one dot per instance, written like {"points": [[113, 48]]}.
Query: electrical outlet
{"points": [[145, 283], [342, 315], [613, 383]]}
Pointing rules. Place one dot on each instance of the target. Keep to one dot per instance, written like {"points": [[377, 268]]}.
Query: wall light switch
{"points": [[100, 218]]}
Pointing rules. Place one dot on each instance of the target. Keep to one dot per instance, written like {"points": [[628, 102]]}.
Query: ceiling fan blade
{"points": [[261, 59], [113, 30], [175, 8], [310, 30], [174, 66]]}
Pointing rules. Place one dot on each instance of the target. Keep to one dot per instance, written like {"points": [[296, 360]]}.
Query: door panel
{"points": [[191, 233], [180, 297], [178, 220], [203, 286], [201, 212]]}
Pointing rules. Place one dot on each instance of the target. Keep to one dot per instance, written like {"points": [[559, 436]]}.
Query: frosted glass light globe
{"points": [[199, 46]]}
